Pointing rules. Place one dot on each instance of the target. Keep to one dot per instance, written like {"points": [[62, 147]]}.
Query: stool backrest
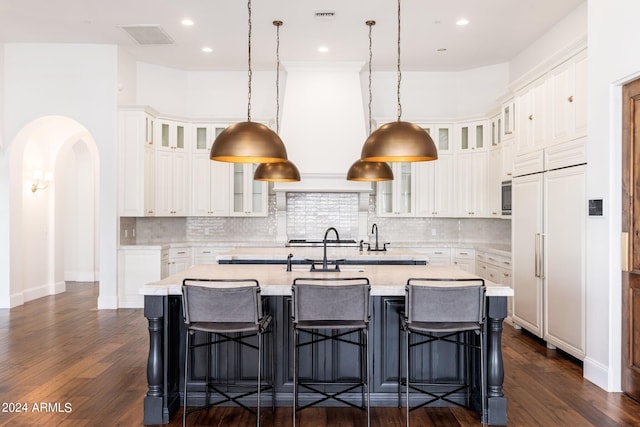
{"points": [[320, 299], [445, 300], [221, 300]]}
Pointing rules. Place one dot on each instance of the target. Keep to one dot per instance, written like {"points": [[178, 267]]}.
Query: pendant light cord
{"points": [[370, 24], [277, 24], [249, 63], [399, 72]]}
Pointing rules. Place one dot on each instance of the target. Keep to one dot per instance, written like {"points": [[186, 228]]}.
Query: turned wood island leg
{"points": [[154, 412], [497, 403]]}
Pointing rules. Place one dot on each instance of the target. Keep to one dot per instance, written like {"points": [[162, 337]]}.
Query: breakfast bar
{"points": [[163, 310]]}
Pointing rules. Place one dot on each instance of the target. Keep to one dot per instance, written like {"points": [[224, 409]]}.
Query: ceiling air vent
{"points": [[325, 14], [148, 34]]}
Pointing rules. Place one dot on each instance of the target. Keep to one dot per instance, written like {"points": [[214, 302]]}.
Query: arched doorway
{"points": [[54, 228]]}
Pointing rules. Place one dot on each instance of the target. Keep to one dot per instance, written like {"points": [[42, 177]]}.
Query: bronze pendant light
{"points": [[369, 171], [399, 141], [282, 171], [248, 142]]}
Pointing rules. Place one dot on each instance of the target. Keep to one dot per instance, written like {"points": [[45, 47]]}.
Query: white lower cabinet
{"points": [[136, 267], [496, 269], [465, 259], [436, 256], [207, 254], [179, 259]]}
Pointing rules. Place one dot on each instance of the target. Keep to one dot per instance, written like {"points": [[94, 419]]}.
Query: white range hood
{"points": [[323, 125]]}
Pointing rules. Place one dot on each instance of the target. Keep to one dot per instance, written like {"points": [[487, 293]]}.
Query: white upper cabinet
{"points": [[247, 197], [172, 135], [397, 198], [472, 136], [494, 183], [209, 179], [471, 185], [508, 119], [136, 162], [532, 121], [442, 136], [569, 100], [435, 187], [172, 183]]}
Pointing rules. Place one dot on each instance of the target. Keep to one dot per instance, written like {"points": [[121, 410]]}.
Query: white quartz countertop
{"points": [[316, 253], [386, 280]]}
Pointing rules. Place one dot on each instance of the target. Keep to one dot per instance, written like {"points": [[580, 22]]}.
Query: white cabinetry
{"points": [[508, 119], [174, 260], [172, 163], [569, 99], [248, 197], [531, 114], [472, 136], [465, 259], [436, 256], [397, 198], [442, 136], [494, 183], [136, 161], [136, 267], [549, 214], [471, 185], [435, 187], [497, 269], [209, 179]]}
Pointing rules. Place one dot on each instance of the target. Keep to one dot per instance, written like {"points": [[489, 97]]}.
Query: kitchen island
{"points": [[303, 255], [163, 309]]}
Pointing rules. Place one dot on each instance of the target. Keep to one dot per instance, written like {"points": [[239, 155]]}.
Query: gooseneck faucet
{"points": [[375, 227], [324, 243]]}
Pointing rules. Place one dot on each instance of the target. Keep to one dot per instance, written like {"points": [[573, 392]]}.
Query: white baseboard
{"points": [[597, 373], [57, 288], [80, 276], [136, 301], [107, 302], [15, 300]]}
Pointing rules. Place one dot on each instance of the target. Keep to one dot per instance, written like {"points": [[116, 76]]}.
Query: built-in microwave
{"points": [[506, 197]]}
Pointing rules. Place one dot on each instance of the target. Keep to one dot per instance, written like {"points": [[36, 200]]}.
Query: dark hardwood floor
{"points": [[69, 364]]}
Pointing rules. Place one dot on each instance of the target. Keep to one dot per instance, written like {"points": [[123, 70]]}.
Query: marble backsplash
{"points": [[308, 216]]}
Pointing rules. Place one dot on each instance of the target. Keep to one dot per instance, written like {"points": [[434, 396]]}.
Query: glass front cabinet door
{"points": [[397, 198], [248, 197]]}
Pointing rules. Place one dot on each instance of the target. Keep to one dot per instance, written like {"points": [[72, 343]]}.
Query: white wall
{"points": [[223, 94], [78, 82], [438, 96], [613, 36], [567, 31], [126, 78]]}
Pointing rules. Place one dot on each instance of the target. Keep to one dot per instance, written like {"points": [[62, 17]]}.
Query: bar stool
{"points": [[445, 310], [331, 304], [226, 310]]}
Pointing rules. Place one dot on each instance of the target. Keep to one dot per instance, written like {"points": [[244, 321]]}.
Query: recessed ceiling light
{"points": [[462, 22], [323, 49], [207, 49], [187, 22]]}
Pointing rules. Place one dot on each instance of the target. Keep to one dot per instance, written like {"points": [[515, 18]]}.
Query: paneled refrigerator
{"points": [[548, 250]]}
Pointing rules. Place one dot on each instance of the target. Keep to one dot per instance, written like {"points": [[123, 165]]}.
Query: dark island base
{"points": [[440, 361]]}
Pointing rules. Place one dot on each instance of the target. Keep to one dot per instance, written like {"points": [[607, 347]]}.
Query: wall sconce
{"points": [[41, 180]]}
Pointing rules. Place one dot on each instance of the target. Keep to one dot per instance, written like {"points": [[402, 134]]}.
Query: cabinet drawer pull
{"points": [[570, 98], [206, 252], [530, 116]]}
